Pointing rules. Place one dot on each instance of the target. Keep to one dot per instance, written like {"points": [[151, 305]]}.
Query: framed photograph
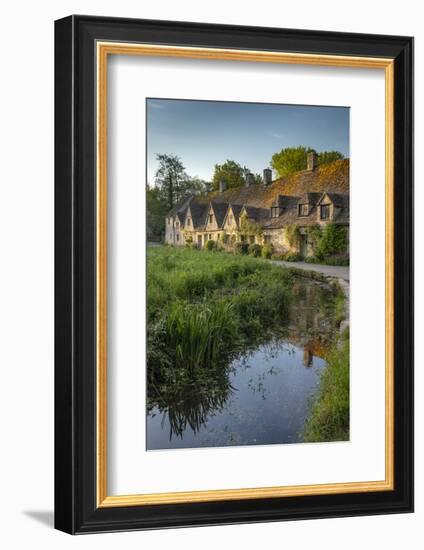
{"points": [[234, 274]]}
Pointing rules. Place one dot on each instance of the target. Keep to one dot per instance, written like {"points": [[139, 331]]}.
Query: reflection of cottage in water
{"points": [[261, 213], [310, 325]]}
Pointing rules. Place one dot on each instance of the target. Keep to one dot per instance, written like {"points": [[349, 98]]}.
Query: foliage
{"points": [[292, 257], [210, 245], [326, 157], [198, 333], [172, 181], [248, 227], [157, 208], [169, 178], [233, 173], [339, 260], [241, 248], [340, 307], [314, 233], [277, 256], [332, 241], [255, 250], [293, 235], [329, 418], [293, 159], [267, 251], [198, 300]]}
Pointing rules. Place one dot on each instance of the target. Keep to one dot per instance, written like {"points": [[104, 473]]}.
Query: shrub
{"points": [[337, 260], [267, 251], [241, 248], [333, 240], [277, 256], [255, 250], [292, 257], [293, 235], [210, 245]]}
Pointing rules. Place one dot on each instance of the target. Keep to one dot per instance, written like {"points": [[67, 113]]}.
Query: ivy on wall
{"points": [[332, 241], [293, 235]]}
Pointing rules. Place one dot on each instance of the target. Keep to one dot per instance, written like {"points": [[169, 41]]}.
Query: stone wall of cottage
{"points": [[174, 234]]}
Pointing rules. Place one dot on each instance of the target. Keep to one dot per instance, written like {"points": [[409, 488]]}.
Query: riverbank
{"points": [[329, 416], [210, 313]]}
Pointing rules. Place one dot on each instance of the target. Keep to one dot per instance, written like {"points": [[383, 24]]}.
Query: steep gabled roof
{"points": [[181, 205], [287, 192], [236, 209], [197, 213], [219, 209]]}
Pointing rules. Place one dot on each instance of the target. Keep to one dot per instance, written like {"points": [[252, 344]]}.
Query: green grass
{"points": [[329, 417], [203, 308], [204, 305]]}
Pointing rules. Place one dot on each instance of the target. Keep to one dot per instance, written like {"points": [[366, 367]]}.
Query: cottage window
{"points": [[178, 237], [230, 219], [210, 237], [267, 239], [188, 221], [325, 211], [303, 210], [210, 218]]}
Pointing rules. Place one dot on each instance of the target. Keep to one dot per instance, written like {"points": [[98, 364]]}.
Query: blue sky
{"points": [[205, 133]]}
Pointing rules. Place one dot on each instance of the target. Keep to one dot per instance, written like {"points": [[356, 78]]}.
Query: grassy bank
{"points": [[329, 417], [203, 306]]}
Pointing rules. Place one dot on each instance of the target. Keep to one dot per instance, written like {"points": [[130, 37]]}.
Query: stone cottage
{"points": [[262, 213]]}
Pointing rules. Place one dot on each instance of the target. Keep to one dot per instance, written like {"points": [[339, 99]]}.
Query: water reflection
{"points": [[259, 397]]}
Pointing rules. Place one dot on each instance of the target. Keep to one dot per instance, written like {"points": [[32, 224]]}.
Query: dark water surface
{"points": [[262, 396]]}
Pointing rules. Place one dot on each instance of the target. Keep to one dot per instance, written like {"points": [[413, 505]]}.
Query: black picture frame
{"points": [[75, 275]]}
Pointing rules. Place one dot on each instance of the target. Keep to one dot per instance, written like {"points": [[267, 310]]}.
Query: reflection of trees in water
{"points": [[191, 400]]}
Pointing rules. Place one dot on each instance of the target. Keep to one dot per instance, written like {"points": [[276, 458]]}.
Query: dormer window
{"points": [[210, 218], [188, 221], [230, 219], [324, 212], [177, 224], [275, 211], [303, 210]]}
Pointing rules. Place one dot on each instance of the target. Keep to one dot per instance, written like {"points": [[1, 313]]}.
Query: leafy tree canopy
{"points": [[172, 180], [233, 173], [293, 159]]}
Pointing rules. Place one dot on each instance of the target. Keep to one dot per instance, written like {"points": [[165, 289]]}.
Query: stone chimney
{"points": [[267, 176], [250, 180], [312, 161], [222, 186]]}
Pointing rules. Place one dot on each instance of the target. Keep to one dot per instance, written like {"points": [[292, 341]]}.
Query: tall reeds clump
{"points": [[198, 333]]}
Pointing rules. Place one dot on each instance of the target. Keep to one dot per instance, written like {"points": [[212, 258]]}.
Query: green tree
{"points": [[173, 182], [157, 209], [233, 173], [293, 159], [170, 178], [329, 156]]}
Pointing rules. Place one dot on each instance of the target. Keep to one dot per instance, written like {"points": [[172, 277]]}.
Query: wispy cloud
{"points": [[156, 104], [276, 135]]}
